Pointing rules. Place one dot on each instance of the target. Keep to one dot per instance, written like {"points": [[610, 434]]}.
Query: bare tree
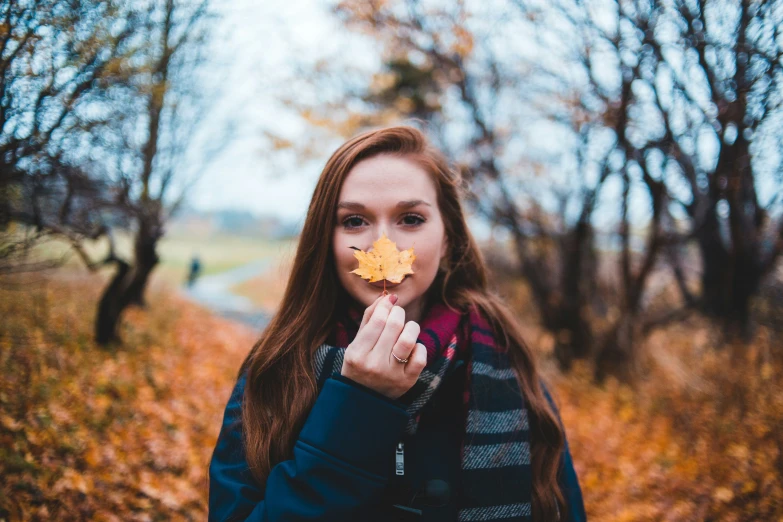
{"points": [[662, 109], [723, 64], [546, 200], [705, 120], [56, 57], [149, 142], [116, 160]]}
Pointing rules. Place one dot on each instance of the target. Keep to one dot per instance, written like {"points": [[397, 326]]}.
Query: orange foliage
{"points": [[700, 437], [90, 435]]}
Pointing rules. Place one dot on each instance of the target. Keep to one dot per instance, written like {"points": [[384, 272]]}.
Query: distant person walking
{"points": [[195, 270]]}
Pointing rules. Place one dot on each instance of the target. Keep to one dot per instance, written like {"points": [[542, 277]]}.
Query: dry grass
{"points": [[94, 435]]}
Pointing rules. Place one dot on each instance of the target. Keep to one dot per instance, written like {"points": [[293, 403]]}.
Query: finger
{"points": [[391, 332], [406, 342], [369, 310], [416, 361], [368, 336]]}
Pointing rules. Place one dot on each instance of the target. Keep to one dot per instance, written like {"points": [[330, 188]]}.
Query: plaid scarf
{"points": [[496, 474]]}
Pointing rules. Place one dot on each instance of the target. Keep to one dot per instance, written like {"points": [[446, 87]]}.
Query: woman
{"points": [[423, 404]]}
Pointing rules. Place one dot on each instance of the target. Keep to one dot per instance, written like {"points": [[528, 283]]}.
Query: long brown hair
{"points": [[281, 388]]}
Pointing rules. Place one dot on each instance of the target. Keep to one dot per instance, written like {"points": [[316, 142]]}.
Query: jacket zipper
{"points": [[399, 459]]}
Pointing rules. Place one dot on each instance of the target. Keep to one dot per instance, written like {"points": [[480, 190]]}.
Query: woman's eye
{"points": [[352, 222], [416, 219], [411, 220]]}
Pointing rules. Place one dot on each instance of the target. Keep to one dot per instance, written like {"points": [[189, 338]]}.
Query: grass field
{"points": [[217, 252]]}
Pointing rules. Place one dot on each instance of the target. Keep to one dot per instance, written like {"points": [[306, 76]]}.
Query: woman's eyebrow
{"points": [[352, 205]]}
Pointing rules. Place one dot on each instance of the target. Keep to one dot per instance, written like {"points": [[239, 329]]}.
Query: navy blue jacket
{"points": [[344, 460]]}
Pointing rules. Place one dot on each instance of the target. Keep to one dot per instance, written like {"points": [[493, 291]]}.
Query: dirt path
{"points": [[214, 292]]}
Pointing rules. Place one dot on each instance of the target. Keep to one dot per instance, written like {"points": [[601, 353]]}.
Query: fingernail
{"points": [[393, 298]]}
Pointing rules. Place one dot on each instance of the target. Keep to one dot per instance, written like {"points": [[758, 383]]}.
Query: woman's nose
{"points": [[390, 234], [383, 230]]}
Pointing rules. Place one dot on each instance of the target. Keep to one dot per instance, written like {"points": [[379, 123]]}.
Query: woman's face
{"points": [[389, 195]]}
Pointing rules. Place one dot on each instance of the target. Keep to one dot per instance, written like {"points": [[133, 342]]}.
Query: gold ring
{"points": [[403, 361]]}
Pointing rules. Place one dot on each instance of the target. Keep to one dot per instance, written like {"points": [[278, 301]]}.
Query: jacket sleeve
{"points": [[569, 482], [340, 466]]}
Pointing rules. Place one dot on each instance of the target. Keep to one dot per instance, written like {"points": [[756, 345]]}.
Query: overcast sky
{"points": [[257, 42]]}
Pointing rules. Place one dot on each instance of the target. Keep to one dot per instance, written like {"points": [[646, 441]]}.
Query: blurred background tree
{"points": [[56, 58], [618, 144], [100, 99]]}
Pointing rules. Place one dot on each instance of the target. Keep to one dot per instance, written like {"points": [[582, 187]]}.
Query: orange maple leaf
{"points": [[384, 262]]}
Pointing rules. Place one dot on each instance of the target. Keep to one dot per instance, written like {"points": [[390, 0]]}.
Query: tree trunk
{"points": [[127, 286], [111, 305], [715, 259], [145, 250], [573, 339], [732, 258], [575, 334], [560, 297], [729, 283], [616, 355]]}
